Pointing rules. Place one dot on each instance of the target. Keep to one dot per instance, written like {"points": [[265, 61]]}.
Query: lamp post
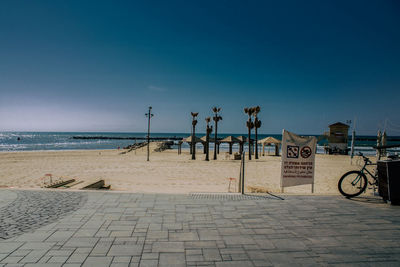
{"points": [[208, 131], [257, 124], [148, 115], [216, 118], [194, 122], [250, 125]]}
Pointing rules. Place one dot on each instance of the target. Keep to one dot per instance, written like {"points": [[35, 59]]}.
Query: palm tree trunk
{"points": [[256, 147], [249, 140], [215, 139]]}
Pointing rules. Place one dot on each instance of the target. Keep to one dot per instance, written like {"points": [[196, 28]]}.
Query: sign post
{"points": [[298, 160]]}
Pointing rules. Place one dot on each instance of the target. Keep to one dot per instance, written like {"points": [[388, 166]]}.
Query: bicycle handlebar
{"points": [[364, 157]]}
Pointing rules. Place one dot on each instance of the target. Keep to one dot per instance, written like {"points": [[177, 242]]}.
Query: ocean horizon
{"points": [[32, 141]]}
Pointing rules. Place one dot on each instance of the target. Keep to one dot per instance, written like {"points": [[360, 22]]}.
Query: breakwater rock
{"points": [[126, 138]]}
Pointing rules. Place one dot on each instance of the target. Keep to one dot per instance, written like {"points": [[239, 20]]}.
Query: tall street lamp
{"points": [[216, 118], [194, 122], [208, 131], [148, 115]]}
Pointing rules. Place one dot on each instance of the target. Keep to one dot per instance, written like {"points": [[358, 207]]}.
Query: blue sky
{"points": [[98, 65]]}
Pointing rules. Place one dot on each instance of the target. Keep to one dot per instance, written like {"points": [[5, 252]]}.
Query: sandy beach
{"points": [[167, 172]]}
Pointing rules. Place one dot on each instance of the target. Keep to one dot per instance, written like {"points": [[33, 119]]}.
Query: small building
{"points": [[338, 138]]}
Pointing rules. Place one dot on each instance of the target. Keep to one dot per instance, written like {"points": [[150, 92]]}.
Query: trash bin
{"points": [[389, 180]]}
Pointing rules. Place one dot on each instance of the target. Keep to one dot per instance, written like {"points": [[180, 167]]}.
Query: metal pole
{"points": [[240, 173], [149, 115], [256, 145], [242, 182], [215, 136], [207, 144]]}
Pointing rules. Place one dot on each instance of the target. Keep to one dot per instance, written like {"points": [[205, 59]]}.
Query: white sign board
{"points": [[298, 159]]}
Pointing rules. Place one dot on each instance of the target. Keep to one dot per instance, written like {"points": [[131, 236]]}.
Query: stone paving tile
{"points": [[34, 256], [38, 245], [168, 247], [172, 259], [125, 250], [148, 263], [183, 236], [97, 261], [12, 259], [43, 265], [124, 229], [33, 209], [81, 242], [234, 264]]}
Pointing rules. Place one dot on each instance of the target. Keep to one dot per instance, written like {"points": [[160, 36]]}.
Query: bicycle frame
{"points": [[366, 170], [359, 183], [363, 170]]}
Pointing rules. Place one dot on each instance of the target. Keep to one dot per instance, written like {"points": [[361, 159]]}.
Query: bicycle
{"points": [[354, 183]]}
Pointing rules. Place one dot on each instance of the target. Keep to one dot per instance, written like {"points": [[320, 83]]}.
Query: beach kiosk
{"points": [[338, 138]]}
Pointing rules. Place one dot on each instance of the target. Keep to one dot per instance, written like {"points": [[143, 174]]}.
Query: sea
{"points": [[32, 141]]}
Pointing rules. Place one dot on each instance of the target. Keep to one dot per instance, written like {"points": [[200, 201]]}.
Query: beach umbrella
{"points": [[230, 140], [384, 142], [353, 136], [270, 140], [378, 143], [242, 139], [189, 141]]}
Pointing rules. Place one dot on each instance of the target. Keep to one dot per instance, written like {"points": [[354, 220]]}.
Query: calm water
{"points": [[29, 141]]}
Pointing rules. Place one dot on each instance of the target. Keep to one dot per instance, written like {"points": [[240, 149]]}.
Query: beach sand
{"points": [[166, 172]]}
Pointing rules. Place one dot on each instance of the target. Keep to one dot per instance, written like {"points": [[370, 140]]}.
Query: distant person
{"points": [[19, 139]]}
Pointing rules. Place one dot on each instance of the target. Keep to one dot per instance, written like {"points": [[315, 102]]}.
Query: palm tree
{"points": [[208, 131], [250, 125], [193, 144], [216, 118], [257, 124]]}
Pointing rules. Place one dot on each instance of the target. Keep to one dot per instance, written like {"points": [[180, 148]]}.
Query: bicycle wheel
{"points": [[352, 184]]}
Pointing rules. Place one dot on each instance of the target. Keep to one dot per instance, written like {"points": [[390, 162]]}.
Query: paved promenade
{"points": [[58, 228]]}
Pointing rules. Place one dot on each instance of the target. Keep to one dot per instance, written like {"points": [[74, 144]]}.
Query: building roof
{"points": [[339, 124]]}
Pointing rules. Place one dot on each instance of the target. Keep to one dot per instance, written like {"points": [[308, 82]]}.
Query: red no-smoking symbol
{"points": [[306, 152]]}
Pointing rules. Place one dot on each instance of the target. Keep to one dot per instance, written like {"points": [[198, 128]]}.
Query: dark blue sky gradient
{"points": [[97, 65]]}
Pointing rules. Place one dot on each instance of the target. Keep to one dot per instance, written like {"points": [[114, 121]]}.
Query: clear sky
{"points": [[98, 65]]}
